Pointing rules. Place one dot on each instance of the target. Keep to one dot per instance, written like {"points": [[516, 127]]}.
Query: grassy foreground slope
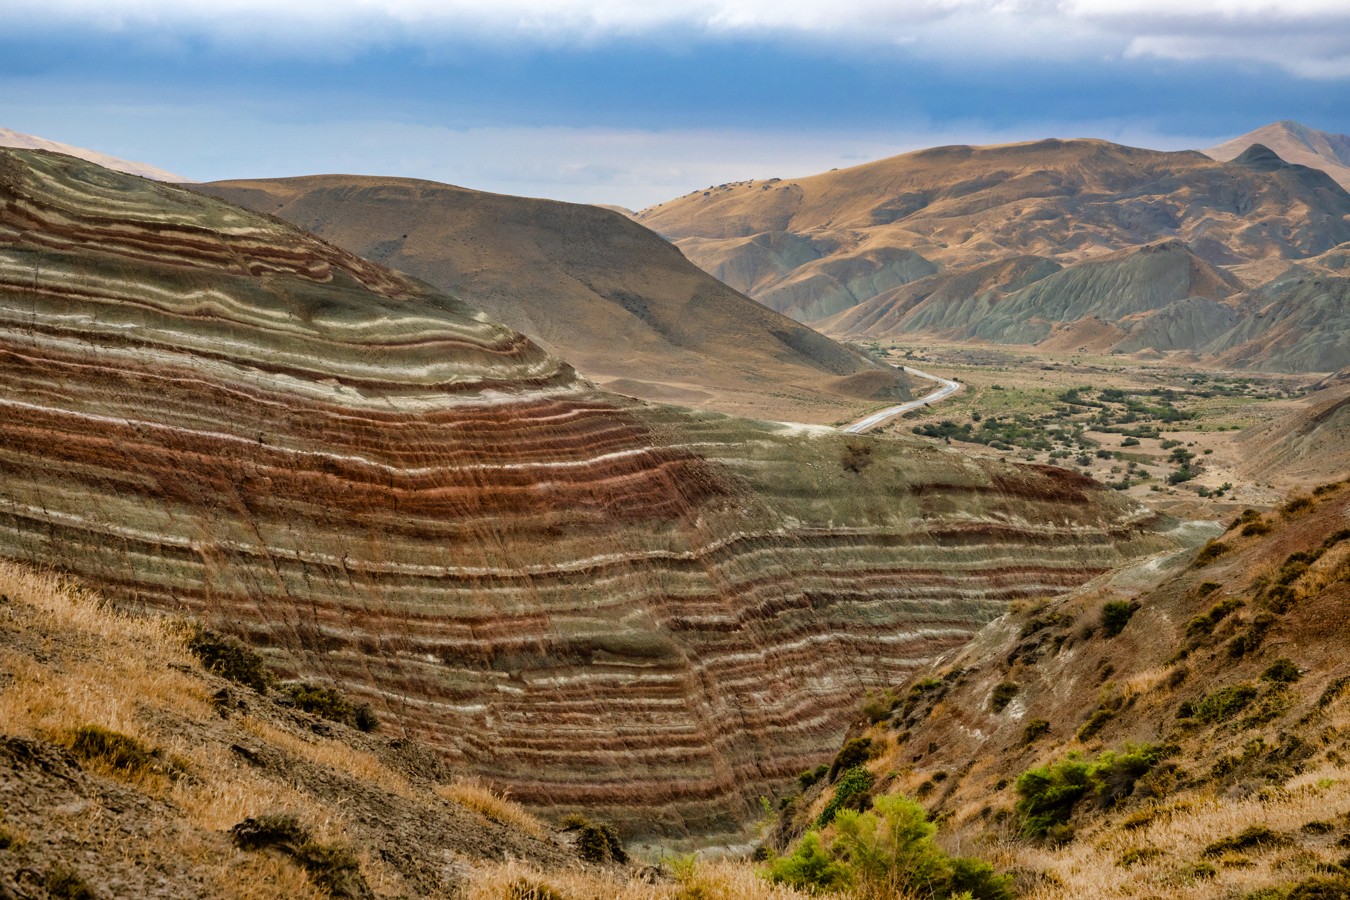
{"points": [[1178, 729]]}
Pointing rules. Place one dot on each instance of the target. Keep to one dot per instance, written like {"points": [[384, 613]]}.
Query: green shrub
{"points": [[887, 851], [855, 752], [597, 842], [1116, 615], [332, 705], [1003, 694], [856, 782], [1210, 552], [1224, 703], [1095, 722], [1034, 731], [1203, 625], [230, 658], [811, 776], [1282, 671], [1253, 637], [1048, 795], [1297, 505], [1254, 837], [810, 867]]}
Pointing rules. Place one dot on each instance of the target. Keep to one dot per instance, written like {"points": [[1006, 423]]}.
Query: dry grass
{"points": [[130, 675], [690, 880], [1171, 844], [495, 805]]}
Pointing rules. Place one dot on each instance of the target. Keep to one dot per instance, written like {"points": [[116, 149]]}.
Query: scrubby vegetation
{"points": [[330, 704], [1048, 795], [887, 851]]}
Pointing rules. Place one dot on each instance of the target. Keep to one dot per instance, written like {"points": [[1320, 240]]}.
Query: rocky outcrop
{"points": [[641, 610]]}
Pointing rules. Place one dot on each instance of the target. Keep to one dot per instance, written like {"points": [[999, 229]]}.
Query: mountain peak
{"points": [[1296, 143]]}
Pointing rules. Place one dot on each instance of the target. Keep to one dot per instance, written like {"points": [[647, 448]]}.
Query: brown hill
{"points": [[589, 284], [1178, 729], [1297, 144], [938, 241], [643, 611], [1066, 200], [30, 142], [1309, 445]]}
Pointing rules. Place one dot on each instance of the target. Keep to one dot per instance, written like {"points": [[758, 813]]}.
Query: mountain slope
{"points": [[1177, 729], [1297, 144], [965, 228], [590, 285], [1024, 299], [20, 141], [1066, 200], [643, 611]]}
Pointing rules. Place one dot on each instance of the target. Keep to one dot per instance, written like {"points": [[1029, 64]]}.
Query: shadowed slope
{"points": [[589, 284], [644, 611]]}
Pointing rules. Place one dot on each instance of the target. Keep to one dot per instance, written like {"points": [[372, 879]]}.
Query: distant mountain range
{"points": [[29, 142], [1295, 143], [1076, 243]]}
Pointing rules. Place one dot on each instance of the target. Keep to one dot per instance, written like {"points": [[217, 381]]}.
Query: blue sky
{"points": [[616, 101]]}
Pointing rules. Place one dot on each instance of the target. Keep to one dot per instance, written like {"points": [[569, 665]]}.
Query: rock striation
{"points": [[590, 285], [597, 603]]}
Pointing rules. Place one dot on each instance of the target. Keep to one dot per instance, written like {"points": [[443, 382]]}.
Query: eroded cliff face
{"points": [[651, 613]]}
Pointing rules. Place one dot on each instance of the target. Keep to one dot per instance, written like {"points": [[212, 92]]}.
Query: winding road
{"points": [[946, 390]]}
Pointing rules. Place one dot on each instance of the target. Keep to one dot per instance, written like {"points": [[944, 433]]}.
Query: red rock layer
{"points": [[654, 614]]}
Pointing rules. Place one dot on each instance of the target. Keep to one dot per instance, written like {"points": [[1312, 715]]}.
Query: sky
{"points": [[633, 102]]}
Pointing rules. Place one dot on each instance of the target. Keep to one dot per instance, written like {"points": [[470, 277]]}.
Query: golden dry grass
{"points": [[495, 805], [692, 880]]}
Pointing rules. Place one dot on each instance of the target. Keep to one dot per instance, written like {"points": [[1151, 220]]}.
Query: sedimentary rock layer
{"points": [[652, 613]]}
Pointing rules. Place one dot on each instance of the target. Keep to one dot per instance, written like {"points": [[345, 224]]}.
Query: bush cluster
{"points": [[1048, 795], [332, 705], [887, 851], [230, 658]]}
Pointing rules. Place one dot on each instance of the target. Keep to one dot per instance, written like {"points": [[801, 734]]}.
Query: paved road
{"points": [[946, 390]]}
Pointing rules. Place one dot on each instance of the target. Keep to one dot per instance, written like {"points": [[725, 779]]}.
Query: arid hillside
{"points": [[21, 141], [1056, 241], [1298, 144], [622, 305], [1176, 729], [641, 611]]}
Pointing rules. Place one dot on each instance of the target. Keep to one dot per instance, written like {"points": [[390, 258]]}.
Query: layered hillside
{"points": [[590, 285], [1296, 143], [1176, 729], [639, 610], [968, 243]]}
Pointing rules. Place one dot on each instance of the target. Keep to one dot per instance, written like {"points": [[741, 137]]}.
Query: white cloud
{"points": [[1313, 35]]}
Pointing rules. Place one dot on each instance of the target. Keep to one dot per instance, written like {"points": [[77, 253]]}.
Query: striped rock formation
{"points": [[655, 614]]}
